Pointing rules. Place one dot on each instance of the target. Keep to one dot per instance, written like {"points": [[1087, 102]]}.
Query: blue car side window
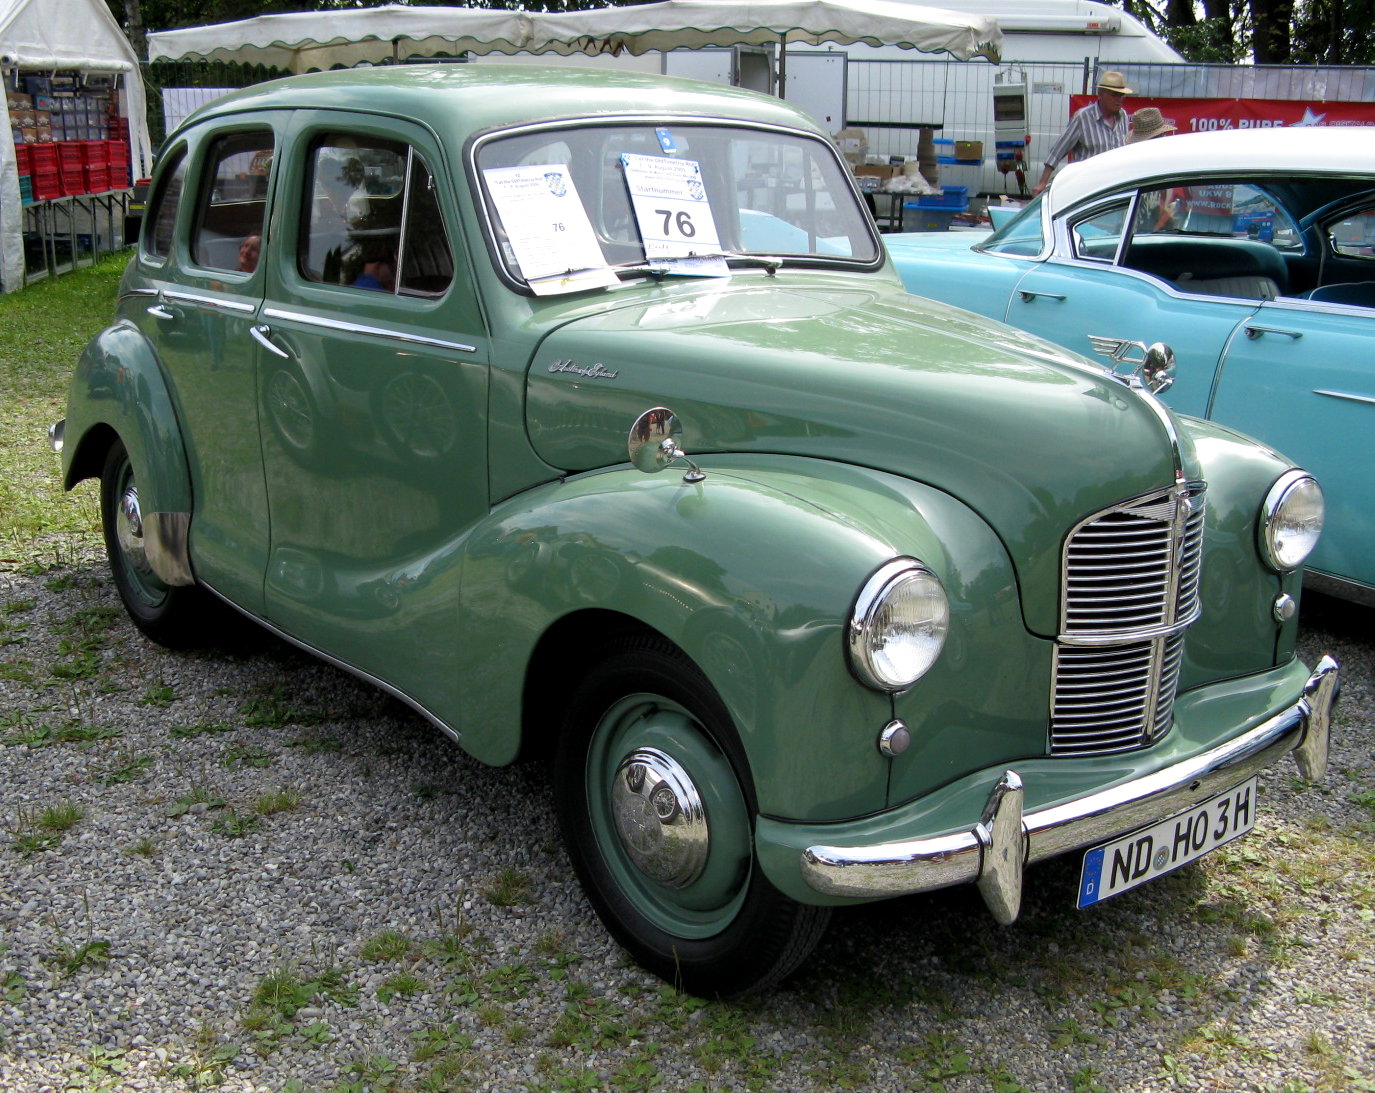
{"points": [[1097, 237]]}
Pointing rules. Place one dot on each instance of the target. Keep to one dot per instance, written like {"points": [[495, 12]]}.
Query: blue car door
{"points": [[1066, 301], [1301, 378], [1082, 289]]}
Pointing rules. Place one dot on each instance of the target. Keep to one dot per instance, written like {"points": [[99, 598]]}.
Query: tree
{"points": [[1329, 32]]}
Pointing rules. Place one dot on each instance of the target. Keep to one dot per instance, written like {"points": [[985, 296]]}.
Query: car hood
{"points": [[1027, 434]]}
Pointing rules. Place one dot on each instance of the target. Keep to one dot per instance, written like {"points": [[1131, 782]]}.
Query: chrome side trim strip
{"points": [[1344, 395], [165, 545], [214, 303], [337, 326], [343, 665], [925, 864]]}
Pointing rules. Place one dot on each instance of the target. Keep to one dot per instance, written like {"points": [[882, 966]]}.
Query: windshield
{"points": [[578, 206], [1020, 236]]}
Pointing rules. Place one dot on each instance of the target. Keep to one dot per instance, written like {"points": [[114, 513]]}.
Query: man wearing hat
{"points": [[1098, 127]]}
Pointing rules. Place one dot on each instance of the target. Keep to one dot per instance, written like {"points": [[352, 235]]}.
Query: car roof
{"points": [[1311, 151], [467, 98]]}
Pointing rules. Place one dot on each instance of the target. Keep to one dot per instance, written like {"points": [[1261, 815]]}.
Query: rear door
{"points": [[204, 257], [1302, 379]]}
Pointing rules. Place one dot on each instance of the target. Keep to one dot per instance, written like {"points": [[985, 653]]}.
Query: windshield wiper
{"points": [[665, 267]]}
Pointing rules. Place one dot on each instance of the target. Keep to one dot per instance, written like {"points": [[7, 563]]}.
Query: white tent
{"points": [[45, 36], [306, 40]]}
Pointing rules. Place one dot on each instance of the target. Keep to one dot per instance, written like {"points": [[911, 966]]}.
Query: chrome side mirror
{"points": [[1154, 368], [653, 443], [1157, 370]]}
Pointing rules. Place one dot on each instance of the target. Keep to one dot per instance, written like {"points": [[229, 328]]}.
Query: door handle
{"points": [[162, 311], [1253, 331], [260, 334], [1028, 295]]}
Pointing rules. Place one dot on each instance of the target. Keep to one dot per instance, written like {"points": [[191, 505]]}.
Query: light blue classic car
{"points": [[1250, 253]]}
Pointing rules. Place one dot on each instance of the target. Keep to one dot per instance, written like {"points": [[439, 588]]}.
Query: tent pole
{"points": [[782, 68]]}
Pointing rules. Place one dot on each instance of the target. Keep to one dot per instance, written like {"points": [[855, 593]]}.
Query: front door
{"points": [[373, 392]]}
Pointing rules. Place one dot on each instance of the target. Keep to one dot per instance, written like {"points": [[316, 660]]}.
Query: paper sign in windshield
{"points": [[547, 228], [673, 213]]}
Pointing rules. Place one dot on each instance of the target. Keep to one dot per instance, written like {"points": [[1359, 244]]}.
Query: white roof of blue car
{"points": [[1296, 150]]}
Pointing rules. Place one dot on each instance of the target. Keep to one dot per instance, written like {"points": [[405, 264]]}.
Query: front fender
{"points": [[118, 386], [752, 573]]}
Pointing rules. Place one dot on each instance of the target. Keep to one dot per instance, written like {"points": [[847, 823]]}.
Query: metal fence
{"points": [[899, 96]]}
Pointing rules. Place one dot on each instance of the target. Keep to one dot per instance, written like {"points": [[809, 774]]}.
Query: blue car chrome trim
{"points": [[1344, 395], [988, 853]]}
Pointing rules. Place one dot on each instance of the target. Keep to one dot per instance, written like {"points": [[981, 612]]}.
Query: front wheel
{"points": [[173, 616], [657, 811]]}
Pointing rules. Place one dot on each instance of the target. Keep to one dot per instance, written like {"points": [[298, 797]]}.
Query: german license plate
{"points": [[1145, 854]]}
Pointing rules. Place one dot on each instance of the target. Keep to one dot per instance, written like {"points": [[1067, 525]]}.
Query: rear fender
{"points": [[118, 392]]}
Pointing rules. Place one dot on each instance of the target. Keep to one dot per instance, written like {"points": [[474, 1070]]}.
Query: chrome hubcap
{"points": [[129, 528], [659, 817]]}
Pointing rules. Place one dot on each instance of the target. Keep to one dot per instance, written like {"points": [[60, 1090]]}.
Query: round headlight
{"points": [[1291, 520], [898, 625]]}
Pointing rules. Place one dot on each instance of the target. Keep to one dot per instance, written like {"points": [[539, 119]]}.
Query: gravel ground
{"points": [[248, 871]]}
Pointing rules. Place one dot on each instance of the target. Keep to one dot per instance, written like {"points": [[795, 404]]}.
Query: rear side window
{"points": [[233, 202], [372, 220], [165, 205]]}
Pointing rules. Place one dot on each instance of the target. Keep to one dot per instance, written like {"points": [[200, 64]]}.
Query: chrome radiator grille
{"points": [[1131, 586]]}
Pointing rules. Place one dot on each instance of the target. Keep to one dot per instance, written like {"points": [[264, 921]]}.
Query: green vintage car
{"points": [[584, 412]]}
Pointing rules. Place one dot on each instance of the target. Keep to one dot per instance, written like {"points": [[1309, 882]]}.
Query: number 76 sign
{"points": [[671, 206]]}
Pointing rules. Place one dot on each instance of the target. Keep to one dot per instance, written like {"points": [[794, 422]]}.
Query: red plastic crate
{"points": [[71, 154], [46, 185], [73, 182], [23, 165], [97, 178], [42, 157]]}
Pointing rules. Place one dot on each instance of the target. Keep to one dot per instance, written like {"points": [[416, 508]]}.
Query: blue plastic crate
{"points": [[919, 218], [945, 152], [950, 197]]}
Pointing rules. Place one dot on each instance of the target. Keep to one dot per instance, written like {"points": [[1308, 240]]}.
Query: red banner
{"points": [[1212, 115]]}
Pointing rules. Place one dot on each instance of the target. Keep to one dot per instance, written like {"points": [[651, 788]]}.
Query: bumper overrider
{"points": [[994, 853]]}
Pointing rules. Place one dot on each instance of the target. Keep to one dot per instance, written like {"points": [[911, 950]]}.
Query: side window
{"points": [[166, 203], [372, 219], [1098, 237], [233, 202], [1354, 234]]}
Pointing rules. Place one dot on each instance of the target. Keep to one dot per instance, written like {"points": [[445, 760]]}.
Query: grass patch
{"points": [[43, 330]]}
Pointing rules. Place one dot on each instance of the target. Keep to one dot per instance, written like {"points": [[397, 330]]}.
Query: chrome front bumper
{"points": [[995, 851]]}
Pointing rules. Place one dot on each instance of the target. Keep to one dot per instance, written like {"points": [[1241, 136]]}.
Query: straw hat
{"points": [[1113, 81], [1147, 123]]}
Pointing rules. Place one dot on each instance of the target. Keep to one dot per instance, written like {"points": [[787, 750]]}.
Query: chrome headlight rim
{"points": [[877, 592], [1286, 489]]}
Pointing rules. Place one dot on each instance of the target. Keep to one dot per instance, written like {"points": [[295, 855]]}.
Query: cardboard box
{"points": [[17, 100], [969, 149], [22, 117], [883, 174]]}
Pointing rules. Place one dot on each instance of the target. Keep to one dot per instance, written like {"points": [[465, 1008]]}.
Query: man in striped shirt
{"points": [[1098, 127]]}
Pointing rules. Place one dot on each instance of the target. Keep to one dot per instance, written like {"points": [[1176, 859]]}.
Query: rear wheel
{"points": [[657, 811], [175, 616]]}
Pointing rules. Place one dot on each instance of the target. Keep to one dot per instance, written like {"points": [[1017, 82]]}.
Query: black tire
{"points": [[714, 926], [175, 616]]}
